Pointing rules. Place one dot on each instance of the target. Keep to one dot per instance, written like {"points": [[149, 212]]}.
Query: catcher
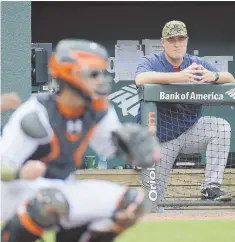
{"points": [[81, 211], [45, 139]]}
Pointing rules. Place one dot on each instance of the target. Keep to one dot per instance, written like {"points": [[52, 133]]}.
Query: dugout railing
{"points": [[205, 94]]}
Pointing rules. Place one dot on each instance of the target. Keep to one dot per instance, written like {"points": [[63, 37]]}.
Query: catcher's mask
{"points": [[78, 63]]}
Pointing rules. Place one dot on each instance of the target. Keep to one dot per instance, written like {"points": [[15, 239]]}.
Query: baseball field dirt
{"points": [[191, 216], [180, 227]]}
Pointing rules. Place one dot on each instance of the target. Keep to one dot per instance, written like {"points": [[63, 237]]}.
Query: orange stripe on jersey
{"points": [[72, 137], [5, 236], [82, 147], [117, 228], [55, 150], [29, 224], [69, 112], [100, 104]]}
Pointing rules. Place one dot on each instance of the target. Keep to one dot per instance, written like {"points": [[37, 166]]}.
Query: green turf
{"points": [[181, 231], [178, 231]]}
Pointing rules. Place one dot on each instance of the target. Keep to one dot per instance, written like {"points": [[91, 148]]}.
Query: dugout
{"points": [[107, 22]]}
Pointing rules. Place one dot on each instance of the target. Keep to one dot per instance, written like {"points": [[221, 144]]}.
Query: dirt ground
{"points": [[195, 215]]}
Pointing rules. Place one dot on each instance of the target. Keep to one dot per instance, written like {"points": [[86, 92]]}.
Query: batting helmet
{"points": [[76, 61]]}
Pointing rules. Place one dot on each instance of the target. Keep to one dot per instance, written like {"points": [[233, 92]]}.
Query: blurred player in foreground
{"points": [[43, 144]]}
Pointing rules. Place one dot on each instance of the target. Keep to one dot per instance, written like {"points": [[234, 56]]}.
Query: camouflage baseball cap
{"points": [[174, 28]]}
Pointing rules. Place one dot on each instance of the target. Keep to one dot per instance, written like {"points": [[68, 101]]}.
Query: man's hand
{"points": [[10, 101], [207, 76], [32, 170], [191, 74]]}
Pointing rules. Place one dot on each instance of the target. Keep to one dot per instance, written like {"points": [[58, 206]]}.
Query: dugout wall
{"points": [[15, 50]]}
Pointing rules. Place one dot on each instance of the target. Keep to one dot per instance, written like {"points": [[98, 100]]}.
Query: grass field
{"points": [[178, 231]]}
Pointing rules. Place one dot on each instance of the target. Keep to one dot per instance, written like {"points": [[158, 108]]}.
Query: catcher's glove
{"points": [[135, 144]]}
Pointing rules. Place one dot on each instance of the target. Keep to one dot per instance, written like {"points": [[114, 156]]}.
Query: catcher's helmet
{"points": [[76, 61]]}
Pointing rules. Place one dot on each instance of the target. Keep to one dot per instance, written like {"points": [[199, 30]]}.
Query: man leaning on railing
{"points": [[181, 127]]}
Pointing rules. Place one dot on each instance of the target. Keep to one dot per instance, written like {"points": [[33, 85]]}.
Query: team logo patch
{"points": [[127, 100]]}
